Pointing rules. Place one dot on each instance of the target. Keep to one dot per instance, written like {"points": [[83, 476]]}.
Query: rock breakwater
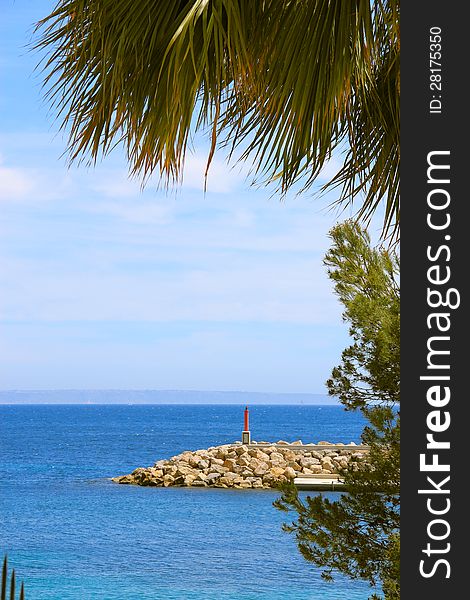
{"points": [[258, 465]]}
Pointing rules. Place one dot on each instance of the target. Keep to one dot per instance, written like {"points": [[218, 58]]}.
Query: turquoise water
{"points": [[73, 535]]}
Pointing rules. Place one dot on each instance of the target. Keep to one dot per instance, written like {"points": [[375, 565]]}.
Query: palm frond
{"points": [[4, 584], [287, 82]]}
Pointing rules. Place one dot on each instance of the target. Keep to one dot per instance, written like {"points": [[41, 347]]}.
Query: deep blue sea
{"points": [[71, 534]]}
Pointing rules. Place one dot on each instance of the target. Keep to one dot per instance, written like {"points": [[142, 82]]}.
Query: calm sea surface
{"points": [[71, 534]]}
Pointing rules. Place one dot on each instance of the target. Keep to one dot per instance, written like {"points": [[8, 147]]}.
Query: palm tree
{"points": [[283, 82]]}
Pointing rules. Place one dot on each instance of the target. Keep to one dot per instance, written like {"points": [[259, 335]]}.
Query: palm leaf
{"points": [[12, 583], [4, 578], [283, 83]]}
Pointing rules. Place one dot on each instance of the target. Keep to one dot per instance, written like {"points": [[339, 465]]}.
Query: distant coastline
{"points": [[160, 397]]}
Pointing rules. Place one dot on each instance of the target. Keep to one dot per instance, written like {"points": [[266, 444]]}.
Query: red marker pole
{"points": [[246, 435]]}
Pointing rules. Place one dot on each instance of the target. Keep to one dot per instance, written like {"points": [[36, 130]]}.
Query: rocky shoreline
{"points": [[257, 465]]}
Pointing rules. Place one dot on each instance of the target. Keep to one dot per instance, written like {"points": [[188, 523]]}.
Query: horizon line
{"points": [[162, 404], [113, 389]]}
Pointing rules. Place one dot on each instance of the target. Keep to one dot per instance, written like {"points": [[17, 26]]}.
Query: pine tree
{"points": [[358, 534]]}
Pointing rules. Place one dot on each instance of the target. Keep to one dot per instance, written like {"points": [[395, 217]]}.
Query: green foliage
{"points": [[358, 535], [12, 583], [391, 580], [284, 82], [365, 281]]}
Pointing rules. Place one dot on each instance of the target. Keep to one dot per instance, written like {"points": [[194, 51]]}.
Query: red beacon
{"points": [[246, 435]]}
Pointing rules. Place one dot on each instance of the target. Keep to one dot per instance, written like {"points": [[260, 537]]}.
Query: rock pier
{"points": [[257, 465]]}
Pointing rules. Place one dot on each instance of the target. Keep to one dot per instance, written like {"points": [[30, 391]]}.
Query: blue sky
{"points": [[105, 286]]}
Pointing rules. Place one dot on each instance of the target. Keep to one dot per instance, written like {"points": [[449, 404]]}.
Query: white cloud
{"points": [[38, 142], [15, 183], [138, 213], [26, 185], [116, 185]]}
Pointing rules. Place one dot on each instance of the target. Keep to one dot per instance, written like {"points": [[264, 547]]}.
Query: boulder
{"points": [[269, 480], [221, 453], [294, 465], [212, 478], [168, 480], [256, 482], [276, 471], [260, 455], [317, 455], [137, 472], [169, 469], [230, 464], [290, 455], [276, 457], [314, 469], [218, 469], [244, 460], [123, 479], [195, 460], [244, 484], [157, 473], [261, 469], [182, 470], [225, 481], [184, 456], [189, 479], [290, 473]]}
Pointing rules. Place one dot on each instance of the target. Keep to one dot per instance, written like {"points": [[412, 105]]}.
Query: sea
{"points": [[72, 534]]}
